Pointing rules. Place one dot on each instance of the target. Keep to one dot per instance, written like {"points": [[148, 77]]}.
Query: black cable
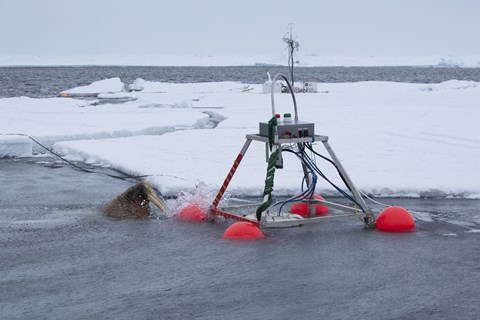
{"points": [[311, 164], [308, 193], [310, 147], [73, 164], [314, 166]]}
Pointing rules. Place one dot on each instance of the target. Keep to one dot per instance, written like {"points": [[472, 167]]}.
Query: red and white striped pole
{"points": [[229, 177]]}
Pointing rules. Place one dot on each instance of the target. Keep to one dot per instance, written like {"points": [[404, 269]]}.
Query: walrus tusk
{"points": [[153, 198], [134, 202]]}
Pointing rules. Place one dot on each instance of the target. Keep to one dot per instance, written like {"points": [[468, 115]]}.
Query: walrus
{"points": [[134, 202]]}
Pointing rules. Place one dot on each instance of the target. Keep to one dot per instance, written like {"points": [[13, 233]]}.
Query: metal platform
{"points": [[274, 143]]}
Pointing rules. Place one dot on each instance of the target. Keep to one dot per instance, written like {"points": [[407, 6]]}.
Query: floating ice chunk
{"points": [[450, 62], [15, 146], [111, 85], [137, 85]]}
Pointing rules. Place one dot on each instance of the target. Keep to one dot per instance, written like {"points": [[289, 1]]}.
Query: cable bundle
{"points": [[313, 171]]}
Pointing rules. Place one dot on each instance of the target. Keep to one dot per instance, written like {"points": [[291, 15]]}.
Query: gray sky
{"points": [[333, 27]]}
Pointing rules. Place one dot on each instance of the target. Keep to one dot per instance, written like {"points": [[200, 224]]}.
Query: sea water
{"points": [[42, 82], [60, 258]]}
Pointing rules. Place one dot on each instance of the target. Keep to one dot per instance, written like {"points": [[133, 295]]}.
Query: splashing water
{"points": [[201, 199]]}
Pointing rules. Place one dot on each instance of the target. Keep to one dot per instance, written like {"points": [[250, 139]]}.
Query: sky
{"points": [[222, 27]]}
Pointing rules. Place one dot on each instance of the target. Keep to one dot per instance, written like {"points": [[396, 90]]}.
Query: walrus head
{"points": [[134, 202]]}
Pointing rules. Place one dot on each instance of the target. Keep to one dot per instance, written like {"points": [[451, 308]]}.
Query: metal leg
{"points": [[229, 177], [368, 212], [270, 221]]}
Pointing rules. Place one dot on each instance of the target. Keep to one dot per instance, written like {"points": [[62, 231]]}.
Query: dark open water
{"points": [[60, 258], [49, 81]]}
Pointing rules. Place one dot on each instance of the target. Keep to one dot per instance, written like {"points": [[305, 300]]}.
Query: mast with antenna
{"points": [[292, 46]]}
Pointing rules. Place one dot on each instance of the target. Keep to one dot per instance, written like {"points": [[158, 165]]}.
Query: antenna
{"points": [[292, 45]]}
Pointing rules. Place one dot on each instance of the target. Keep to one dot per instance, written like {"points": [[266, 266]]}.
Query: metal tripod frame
{"points": [[268, 220], [274, 221]]}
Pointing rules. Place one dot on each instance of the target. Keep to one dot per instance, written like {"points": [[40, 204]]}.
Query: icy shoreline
{"points": [[394, 139]]}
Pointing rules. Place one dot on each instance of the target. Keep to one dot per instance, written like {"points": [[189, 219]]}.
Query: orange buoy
{"points": [[192, 212], [396, 219], [243, 231], [302, 208]]}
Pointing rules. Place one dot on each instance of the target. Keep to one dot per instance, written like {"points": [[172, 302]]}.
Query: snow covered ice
{"points": [[394, 139], [103, 86]]}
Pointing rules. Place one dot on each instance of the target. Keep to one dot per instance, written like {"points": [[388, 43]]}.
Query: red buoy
{"points": [[302, 208], [395, 219], [192, 212], [243, 231]]}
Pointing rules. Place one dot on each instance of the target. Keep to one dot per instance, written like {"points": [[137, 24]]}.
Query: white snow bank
{"points": [[60, 119], [451, 85], [111, 85], [149, 100], [15, 146], [394, 139], [178, 161], [191, 88]]}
